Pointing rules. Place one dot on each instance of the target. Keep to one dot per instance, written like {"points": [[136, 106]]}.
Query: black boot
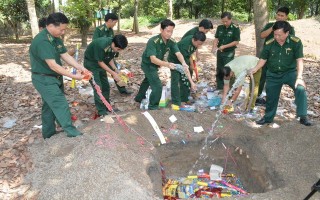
{"points": [[262, 121], [304, 120], [260, 102], [126, 92]]}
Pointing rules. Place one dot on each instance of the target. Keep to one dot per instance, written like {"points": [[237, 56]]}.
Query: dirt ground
{"points": [[121, 160]]}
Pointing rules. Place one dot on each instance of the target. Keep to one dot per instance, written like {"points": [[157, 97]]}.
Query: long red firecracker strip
{"points": [[233, 187], [105, 102], [120, 120]]}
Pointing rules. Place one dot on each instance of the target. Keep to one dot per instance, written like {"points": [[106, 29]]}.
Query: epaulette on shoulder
{"points": [[295, 39], [236, 25], [156, 40], [106, 49], [173, 40], [269, 41], [101, 27]]}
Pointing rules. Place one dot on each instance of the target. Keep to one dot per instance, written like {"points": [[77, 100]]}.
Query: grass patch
{"points": [[241, 17]]}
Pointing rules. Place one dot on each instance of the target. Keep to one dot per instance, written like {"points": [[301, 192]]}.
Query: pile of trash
{"points": [[204, 185], [205, 98]]}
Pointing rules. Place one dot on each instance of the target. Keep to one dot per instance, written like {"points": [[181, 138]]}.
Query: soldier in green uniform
{"points": [[152, 59], [42, 25], [267, 34], [106, 30], [46, 51], [180, 89], [284, 57], [204, 26], [98, 53], [227, 38]]}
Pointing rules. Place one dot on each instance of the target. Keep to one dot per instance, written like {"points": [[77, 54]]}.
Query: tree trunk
{"points": [[312, 5], [177, 14], [135, 19], [190, 10], [196, 12], [301, 14], [302, 6], [56, 6], [33, 17], [84, 40], [52, 6], [170, 12], [16, 31], [119, 13], [222, 6], [14, 25], [261, 18], [250, 2]]}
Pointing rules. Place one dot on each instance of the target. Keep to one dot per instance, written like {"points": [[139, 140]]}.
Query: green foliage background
{"points": [[82, 12]]}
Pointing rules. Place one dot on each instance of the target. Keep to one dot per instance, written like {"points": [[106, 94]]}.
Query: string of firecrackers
{"points": [[213, 141], [109, 141], [228, 153], [119, 119], [237, 83]]}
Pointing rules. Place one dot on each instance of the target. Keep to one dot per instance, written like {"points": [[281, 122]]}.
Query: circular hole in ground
{"points": [[183, 159]]}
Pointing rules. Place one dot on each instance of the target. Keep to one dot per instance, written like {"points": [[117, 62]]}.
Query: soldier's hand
{"points": [[214, 50], [83, 70], [186, 68], [299, 81], [171, 65], [229, 103], [193, 86], [251, 71], [77, 76], [221, 48], [87, 75], [116, 77]]}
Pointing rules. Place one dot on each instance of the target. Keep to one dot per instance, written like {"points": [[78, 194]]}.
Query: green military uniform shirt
{"points": [[98, 50], [102, 31], [45, 46], [227, 35], [190, 32], [157, 47], [186, 48], [271, 35], [282, 58]]}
